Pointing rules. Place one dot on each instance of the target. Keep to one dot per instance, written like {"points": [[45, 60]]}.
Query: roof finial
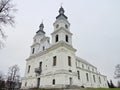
{"points": [[41, 26], [61, 4], [61, 10], [61, 13], [42, 21]]}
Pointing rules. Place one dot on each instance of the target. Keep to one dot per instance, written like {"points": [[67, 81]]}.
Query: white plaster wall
{"points": [[60, 72], [50, 72], [83, 81]]}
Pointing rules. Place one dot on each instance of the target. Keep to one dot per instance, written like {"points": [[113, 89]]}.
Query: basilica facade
{"points": [[55, 64]]}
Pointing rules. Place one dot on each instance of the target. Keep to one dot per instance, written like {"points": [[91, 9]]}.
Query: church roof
{"points": [[61, 14], [41, 27], [84, 61]]}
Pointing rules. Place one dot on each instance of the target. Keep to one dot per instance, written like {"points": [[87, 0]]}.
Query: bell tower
{"points": [[61, 31], [40, 41]]}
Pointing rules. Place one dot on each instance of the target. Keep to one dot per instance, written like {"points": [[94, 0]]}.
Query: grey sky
{"points": [[95, 25]]}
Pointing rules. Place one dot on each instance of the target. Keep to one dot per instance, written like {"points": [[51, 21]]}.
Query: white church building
{"points": [[55, 64]]}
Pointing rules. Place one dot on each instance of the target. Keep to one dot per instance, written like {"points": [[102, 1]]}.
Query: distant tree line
{"points": [[110, 84], [11, 81], [117, 74]]}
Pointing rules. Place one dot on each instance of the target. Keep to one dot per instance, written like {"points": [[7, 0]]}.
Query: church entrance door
{"points": [[38, 82], [70, 81]]}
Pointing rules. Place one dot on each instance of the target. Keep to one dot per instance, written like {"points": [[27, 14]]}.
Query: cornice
{"points": [[59, 20], [53, 47], [61, 28], [97, 73], [35, 44]]}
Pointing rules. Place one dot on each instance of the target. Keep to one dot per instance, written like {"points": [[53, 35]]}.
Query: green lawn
{"points": [[82, 89], [101, 89]]}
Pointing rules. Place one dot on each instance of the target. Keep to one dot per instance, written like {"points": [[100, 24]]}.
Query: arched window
{"points": [[54, 60], [56, 38], [94, 78], [78, 74], [29, 68], [25, 84], [87, 77], [99, 79], [43, 48], [66, 38], [69, 61], [53, 81], [33, 50]]}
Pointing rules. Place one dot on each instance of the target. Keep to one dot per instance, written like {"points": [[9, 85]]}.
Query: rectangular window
{"points": [[87, 77], [78, 74], [69, 61], [40, 65], [28, 68], [53, 81], [94, 78], [54, 60], [99, 79]]}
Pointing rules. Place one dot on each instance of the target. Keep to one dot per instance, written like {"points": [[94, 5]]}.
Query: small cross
{"points": [[61, 4]]}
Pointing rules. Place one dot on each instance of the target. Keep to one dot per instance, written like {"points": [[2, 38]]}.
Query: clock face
{"points": [[57, 25], [66, 26]]}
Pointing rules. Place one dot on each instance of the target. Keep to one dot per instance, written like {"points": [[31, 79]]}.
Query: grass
{"points": [[82, 89], [101, 89]]}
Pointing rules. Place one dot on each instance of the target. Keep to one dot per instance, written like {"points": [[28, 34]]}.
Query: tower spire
{"points": [[61, 10], [41, 27], [61, 13]]}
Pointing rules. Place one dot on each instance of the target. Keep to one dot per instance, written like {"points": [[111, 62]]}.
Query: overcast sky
{"points": [[95, 25]]}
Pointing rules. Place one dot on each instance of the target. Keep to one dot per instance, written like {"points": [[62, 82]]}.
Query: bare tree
{"points": [[6, 17], [13, 77], [117, 73], [2, 80], [118, 84]]}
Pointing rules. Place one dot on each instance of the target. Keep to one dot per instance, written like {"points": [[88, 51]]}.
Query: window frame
{"points": [[99, 79], [78, 73], [94, 78], [87, 76], [29, 67], [66, 38], [43, 48], [69, 61], [33, 50], [53, 82], [54, 60], [57, 38]]}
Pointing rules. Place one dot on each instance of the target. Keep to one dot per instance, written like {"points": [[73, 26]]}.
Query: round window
{"points": [[57, 26], [66, 26]]}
